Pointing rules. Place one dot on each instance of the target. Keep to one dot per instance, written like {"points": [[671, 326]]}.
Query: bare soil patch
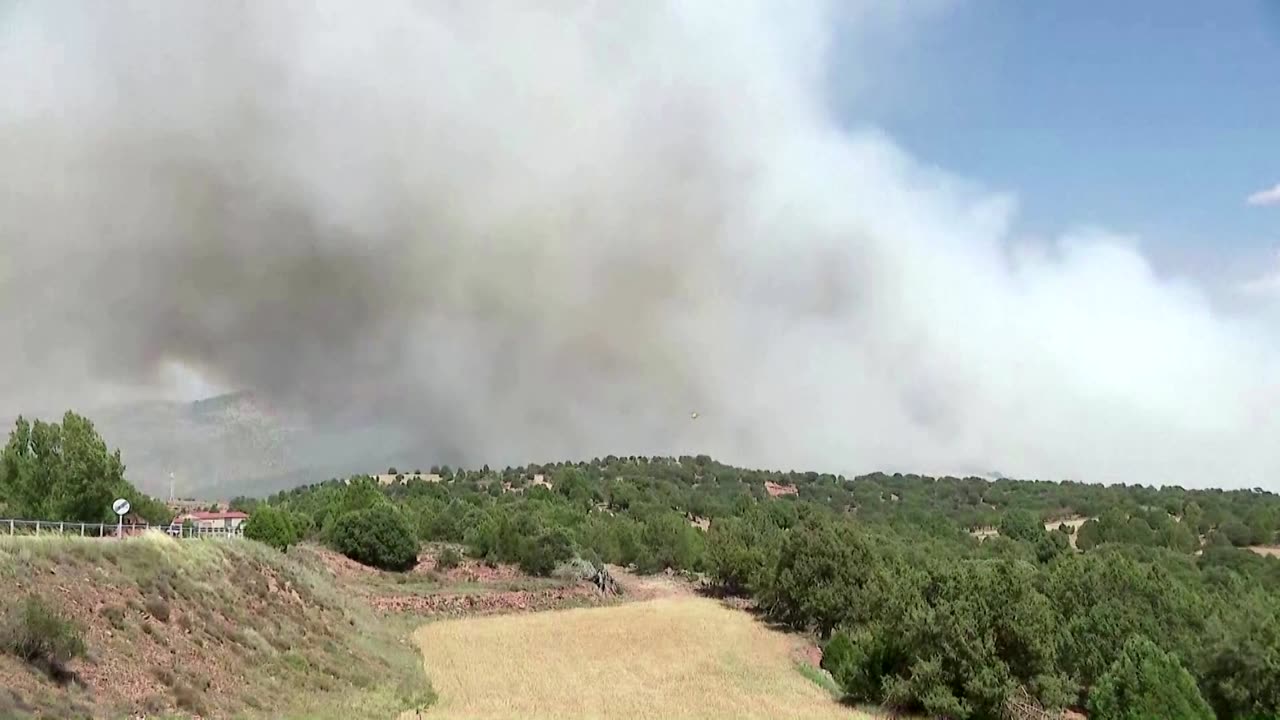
{"points": [[468, 570], [488, 603], [338, 564], [213, 628], [648, 587]]}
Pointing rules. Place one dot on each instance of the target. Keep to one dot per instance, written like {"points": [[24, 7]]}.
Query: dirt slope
{"points": [[213, 628]]}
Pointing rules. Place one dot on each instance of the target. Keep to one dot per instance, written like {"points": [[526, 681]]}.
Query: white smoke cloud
{"points": [[1270, 196], [520, 234]]}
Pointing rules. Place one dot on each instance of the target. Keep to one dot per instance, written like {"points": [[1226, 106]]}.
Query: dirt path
{"points": [[649, 587]]}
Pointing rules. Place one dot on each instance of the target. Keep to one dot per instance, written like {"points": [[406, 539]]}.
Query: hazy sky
{"points": [[851, 236]]}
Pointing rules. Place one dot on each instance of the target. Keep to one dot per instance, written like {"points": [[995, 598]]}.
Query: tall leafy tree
{"points": [[61, 471]]}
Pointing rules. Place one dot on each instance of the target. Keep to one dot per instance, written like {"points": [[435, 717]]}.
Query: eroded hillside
{"points": [[213, 629]]}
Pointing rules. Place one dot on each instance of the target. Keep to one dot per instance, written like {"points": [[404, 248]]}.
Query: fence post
{"points": [[37, 527], [62, 527], [10, 527], [81, 529]]}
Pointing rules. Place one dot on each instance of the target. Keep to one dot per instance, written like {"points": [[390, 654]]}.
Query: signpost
{"points": [[121, 508]]}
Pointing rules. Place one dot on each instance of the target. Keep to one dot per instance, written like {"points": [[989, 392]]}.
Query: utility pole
{"points": [[171, 483]]}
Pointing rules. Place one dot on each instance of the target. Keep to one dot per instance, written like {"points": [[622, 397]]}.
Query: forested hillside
{"points": [[1153, 611], [701, 487]]}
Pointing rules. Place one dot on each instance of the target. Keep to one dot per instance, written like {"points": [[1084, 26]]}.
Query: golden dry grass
{"points": [[674, 657]]}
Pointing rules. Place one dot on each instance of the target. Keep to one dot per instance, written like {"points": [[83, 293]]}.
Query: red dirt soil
{"points": [[455, 604], [340, 565], [469, 570], [133, 680]]}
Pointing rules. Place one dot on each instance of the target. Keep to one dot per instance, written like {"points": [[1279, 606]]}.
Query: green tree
{"points": [[1239, 666], [1052, 544], [271, 526], [360, 493], [670, 541], [1261, 521], [1236, 532], [740, 551], [827, 575], [379, 537], [1192, 514], [1106, 596], [541, 554], [1145, 682], [61, 471], [244, 504], [860, 659], [1089, 535], [1178, 536], [1021, 525]]}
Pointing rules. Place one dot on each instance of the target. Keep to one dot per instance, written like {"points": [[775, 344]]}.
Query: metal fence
{"points": [[110, 531]]}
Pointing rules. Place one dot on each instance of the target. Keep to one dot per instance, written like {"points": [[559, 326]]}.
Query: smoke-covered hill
{"points": [[233, 444]]}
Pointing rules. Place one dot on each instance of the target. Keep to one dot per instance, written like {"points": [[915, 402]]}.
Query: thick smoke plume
{"points": [[509, 234]]}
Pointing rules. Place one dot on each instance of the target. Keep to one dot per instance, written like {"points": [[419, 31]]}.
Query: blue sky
{"points": [[1148, 117]]}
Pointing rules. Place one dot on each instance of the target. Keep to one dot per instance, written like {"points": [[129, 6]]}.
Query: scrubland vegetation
{"points": [[1151, 606], [916, 613]]}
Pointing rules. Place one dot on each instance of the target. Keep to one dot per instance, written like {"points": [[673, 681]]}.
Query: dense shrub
{"points": [[158, 608], [541, 554], [1107, 596], [1146, 682], [1050, 545], [667, 540], [741, 551], [827, 574], [1237, 533], [941, 646], [1021, 525], [1240, 662], [448, 558], [859, 660], [380, 537], [35, 632], [271, 526]]}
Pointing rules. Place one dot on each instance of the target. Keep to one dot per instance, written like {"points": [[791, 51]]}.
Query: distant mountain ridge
{"points": [[237, 444], [210, 445]]}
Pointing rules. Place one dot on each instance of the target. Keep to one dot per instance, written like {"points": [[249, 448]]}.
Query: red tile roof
{"points": [[775, 489]]}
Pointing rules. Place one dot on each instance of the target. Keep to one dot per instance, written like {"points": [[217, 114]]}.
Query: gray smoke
{"points": [[507, 234]]}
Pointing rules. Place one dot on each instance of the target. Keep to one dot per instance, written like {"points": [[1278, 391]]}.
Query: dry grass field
{"points": [[673, 657]]}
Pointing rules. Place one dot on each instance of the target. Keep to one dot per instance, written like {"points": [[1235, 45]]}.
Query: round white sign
{"points": [[121, 506]]}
